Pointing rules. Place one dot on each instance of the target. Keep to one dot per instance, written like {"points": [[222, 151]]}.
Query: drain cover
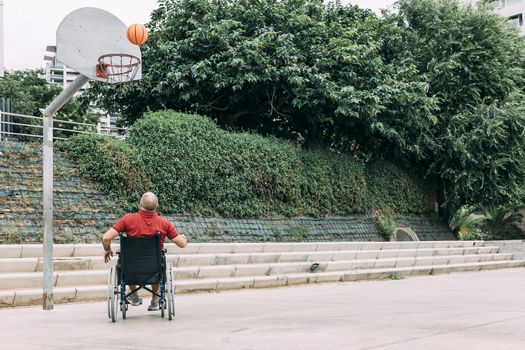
{"points": [[405, 234]]}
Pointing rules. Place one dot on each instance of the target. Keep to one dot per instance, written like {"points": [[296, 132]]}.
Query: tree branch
{"points": [[216, 108], [272, 106]]}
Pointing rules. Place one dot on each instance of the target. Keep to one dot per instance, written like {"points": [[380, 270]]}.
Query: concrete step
{"points": [[83, 250], [35, 264], [92, 277], [203, 272], [24, 297], [211, 284], [319, 256], [80, 273]]}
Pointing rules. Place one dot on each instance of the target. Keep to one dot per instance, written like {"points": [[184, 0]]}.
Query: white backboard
{"points": [[88, 33]]}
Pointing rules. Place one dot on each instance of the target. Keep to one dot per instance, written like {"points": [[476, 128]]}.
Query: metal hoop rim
{"points": [[134, 59], [115, 70]]}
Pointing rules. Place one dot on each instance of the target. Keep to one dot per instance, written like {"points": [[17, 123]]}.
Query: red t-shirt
{"points": [[145, 224]]}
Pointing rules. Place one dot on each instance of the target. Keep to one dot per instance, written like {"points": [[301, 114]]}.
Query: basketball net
{"points": [[117, 67]]}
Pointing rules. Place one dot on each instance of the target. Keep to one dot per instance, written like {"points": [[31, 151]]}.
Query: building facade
{"points": [[57, 73], [514, 10]]}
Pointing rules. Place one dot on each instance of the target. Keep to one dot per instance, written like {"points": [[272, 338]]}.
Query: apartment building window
{"points": [[517, 20], [496, 4]]}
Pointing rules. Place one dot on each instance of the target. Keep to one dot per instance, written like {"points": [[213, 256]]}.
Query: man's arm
{"points": [[106, 243], [181, 241]]}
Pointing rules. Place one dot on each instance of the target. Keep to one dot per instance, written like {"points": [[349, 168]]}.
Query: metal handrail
{"points": [[21, 124], [40, 118], [97, 128], [112, 127], [70, 122], [71, 130], [19, 134], [20, 115]]}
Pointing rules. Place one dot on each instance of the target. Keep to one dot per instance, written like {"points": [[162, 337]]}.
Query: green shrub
{"points": [[473, 234], [465, 220], [334, 182], [110, 163], [385, 223], [389, 186], [211, 171], [297, 232], [498, 223], [195, 167], [502, 222]]}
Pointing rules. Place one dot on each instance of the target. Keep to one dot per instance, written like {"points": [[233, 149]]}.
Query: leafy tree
{"points": [[473, 62], [297, 69], [469, 54], [435, 84], [481, 158], [29, 92]]}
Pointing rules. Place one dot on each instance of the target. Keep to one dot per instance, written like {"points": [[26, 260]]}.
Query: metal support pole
{"points": [[65, 95], [47, 169], [48, 212]]}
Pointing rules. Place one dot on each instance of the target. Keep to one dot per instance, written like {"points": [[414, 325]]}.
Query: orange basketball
{"points": [[137, 34]]}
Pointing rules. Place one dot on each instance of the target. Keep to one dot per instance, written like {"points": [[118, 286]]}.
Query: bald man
{"points": [[145, 223]]}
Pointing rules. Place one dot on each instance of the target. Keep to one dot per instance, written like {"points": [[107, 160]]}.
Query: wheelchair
{"points": [[140, 262]]}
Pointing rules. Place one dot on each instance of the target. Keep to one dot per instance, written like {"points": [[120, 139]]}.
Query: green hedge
{"points": [[195, 167], [110, 163], [391, 187]]}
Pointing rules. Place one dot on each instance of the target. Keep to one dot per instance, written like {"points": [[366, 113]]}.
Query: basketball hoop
{"points": [[117, 67]]}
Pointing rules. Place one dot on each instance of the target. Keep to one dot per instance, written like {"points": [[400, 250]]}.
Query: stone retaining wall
{"points": [[83, 214], [336, 228]]}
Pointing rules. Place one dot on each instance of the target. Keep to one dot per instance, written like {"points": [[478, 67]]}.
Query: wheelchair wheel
{"points": [[113, 294], [170, 294], [110, 291]]}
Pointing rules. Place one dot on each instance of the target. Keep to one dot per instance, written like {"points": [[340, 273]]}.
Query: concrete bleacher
{"points": [[81, 275]]}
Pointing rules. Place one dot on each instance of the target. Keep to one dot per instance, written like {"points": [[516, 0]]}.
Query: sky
{"points": [[30, 25]]}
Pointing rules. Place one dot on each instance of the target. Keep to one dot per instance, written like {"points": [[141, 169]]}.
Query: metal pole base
{"points": [[47, 301]]}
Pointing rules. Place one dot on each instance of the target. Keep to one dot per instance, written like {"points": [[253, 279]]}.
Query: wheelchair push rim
{"points": [[113, 294], [169, 295]]}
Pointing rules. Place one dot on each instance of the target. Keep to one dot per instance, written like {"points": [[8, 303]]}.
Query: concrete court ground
{"points": [[480, 310]]}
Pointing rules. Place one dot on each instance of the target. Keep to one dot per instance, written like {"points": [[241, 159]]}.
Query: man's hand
{"points": [[181, 241], [108, 255], [106, 243]]}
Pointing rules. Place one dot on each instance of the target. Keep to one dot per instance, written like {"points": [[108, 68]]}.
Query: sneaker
{"points": [[134, 299], [154, 306]]}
